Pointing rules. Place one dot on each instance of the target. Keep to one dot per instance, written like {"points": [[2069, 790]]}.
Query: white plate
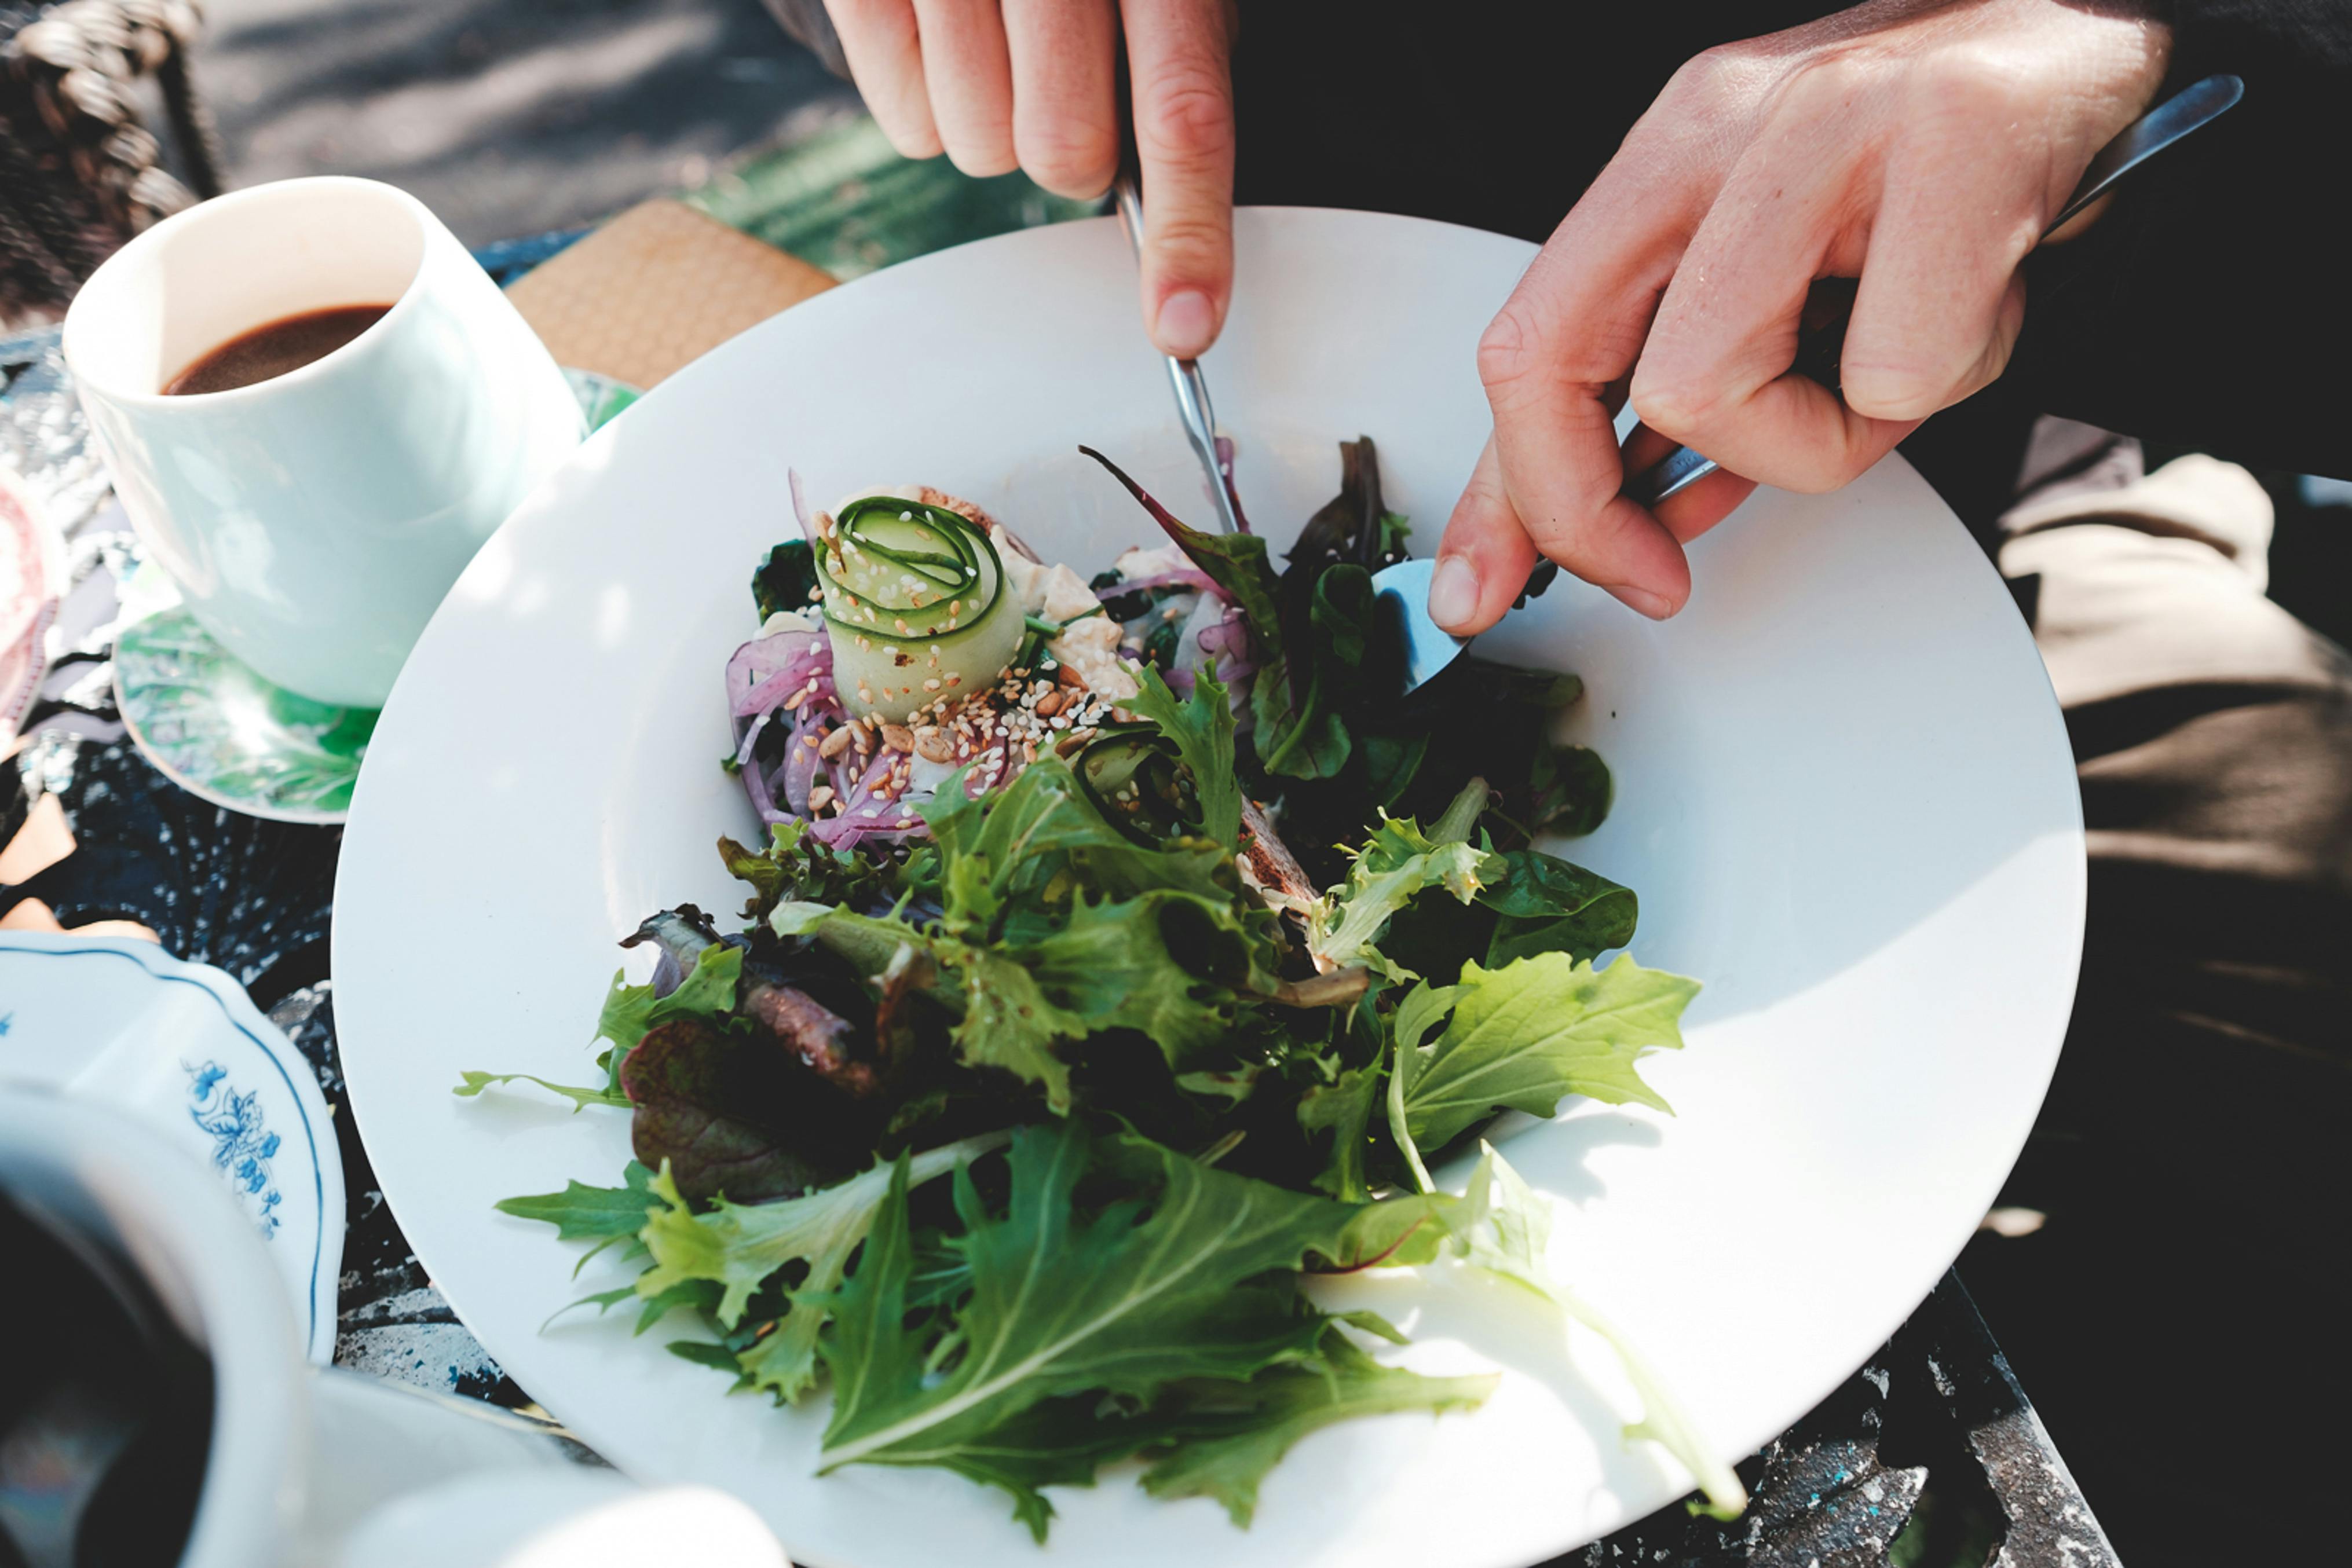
{"points": [[1844, 796], [182, 1047]]}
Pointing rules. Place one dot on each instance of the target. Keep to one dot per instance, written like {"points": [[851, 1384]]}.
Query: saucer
{"points": [[183, 1049], [220, 731]]}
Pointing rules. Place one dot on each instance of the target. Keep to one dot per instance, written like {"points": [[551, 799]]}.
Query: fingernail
{"points": [[1453, 592], [1654, 605], [1187, 322]]}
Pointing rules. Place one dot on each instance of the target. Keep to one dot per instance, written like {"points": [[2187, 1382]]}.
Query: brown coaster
{"points": [[657, 287]]}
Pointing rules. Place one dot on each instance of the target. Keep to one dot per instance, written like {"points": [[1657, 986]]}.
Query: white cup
{"points": [[308, 1466], [313, 521]]}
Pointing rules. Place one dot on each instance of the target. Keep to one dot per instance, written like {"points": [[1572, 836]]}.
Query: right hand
{"points": [[1030, 84]]}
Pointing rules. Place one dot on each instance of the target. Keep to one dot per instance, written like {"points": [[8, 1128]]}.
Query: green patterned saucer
{"points": [[213, 726]]}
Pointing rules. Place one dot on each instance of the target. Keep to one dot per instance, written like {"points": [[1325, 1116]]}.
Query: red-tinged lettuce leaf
{"points": [[708, 992], [1571, 790], [1234, 562], [736, 1114]]}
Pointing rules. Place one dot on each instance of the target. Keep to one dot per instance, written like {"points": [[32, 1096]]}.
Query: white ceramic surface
{"points": [[181, 1047], [1844, 793], [314, 520], [301, 1460]]}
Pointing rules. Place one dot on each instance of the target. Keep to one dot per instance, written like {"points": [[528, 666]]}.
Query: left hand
{"points": [[1918, 145]]}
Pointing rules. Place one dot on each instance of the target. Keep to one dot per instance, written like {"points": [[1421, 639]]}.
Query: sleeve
{"points": [[2212, 306]]}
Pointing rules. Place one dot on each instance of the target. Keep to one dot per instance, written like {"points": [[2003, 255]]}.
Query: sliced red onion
{"points": [[801, 506], [807, 666]]}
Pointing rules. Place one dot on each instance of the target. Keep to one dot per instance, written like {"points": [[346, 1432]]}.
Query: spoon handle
{"points": [[2197, 105]]}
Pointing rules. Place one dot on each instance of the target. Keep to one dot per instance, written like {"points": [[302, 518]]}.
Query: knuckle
{"points": [[1721, 74], [1677, 408], [1069, 157], [1191, 246], [1964, 82], [917, 142], [982, 157], [1509, 350], [1894, 391], [1832, 82], [1188, 114]]}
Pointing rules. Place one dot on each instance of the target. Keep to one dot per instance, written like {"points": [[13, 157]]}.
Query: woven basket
{"points": [[79, 173]]}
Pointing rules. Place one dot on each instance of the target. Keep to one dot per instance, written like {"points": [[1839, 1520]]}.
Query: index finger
{"points": [[1573, 326], [1179, 60]]}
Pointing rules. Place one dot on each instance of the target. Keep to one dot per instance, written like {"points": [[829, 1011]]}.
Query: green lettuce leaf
{"points": [[742, 1247], [1299, 699], [1395, 864], [1343, 1108], [1505, 1229], [583, 1213], [472, 1083], [1548, 905], [1113, 965], [1124, 1300], [1201, 730], [1527, 1035], [1271, 1412], [1009, 1022], [1026, 962], [630, 1012]]}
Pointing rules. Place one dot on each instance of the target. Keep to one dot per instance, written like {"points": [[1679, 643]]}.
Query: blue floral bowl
{"points": [[182, 1048]]}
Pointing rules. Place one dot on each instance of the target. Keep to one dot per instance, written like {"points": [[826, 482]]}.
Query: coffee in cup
{"points": [[315, 407]]}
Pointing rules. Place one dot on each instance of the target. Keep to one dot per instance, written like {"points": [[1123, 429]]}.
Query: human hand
{"points": [[1030, 84], [1918, 145]]}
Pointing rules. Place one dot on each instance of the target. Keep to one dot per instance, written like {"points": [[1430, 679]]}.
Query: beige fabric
{"points": [[2219, 727], [656, 287]]}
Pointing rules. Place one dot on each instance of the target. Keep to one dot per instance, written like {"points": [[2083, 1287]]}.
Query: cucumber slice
{"points": [[1135, 784], [915, 601]]}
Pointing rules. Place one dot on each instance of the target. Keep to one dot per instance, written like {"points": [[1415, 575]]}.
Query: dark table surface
{"points": [[1929, 1457]]}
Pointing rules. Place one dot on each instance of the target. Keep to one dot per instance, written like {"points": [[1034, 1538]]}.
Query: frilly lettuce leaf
{"points": [[1505, 1229], [1202, 729], [1263, 1417], [1525, 1036], [1123, 1300], [1395, 864], [630, 1012], [740, 1246]]}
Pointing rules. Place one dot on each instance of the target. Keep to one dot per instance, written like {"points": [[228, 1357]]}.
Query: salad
{"points": [[1122, 950]]}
